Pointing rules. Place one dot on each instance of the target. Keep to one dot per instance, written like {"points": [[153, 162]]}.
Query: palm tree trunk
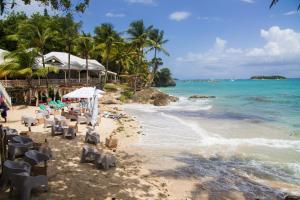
{"points": [[154, 69], [107, 65], [44, 66], [87, 71], [69, 63]]}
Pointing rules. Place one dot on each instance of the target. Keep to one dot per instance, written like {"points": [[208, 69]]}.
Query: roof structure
{"points": [[60, 59]]}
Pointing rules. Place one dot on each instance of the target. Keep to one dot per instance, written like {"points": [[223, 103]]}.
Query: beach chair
{"points": [[92, 137], [88, 154], [57, 130], [61, 104], [34, 157], [70, 133], [48, 122], [23, 183], [10, 167], [19, 146], [54, 105], [42, 107], [105, 161]]}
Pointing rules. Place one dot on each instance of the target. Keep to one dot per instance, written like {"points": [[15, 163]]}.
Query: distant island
{"points": [[268, 78]]}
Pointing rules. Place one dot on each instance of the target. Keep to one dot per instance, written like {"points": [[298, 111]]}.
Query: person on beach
{"points": [[4, 110]]}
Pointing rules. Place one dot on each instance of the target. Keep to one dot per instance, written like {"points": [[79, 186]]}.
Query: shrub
{"points": [[110, 87]]}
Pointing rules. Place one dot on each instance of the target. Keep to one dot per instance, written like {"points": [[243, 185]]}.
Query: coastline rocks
{"points": [[198, 96], [153, 96]]}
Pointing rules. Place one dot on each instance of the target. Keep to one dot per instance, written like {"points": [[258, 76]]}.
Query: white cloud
{"points": [[141, 1], [179, 16], [248, 1], [290, 13], [279, 54], [216, 19], [115, 15]]}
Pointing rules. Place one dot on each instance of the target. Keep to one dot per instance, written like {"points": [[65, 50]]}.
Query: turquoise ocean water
{"points": [[250, 131], [275, 101]]}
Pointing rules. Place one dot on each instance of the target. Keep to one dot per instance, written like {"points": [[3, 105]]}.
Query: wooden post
{"points": [[65, 76], [79, 76], [39, 80]]}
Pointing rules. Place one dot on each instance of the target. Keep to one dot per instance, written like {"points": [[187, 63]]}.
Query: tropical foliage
{"points": [[276, 1], [63, 5], [133, 52]]}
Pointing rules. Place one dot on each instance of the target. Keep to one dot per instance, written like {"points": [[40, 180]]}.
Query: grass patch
{"points": [[110, 87], [126, 95]]}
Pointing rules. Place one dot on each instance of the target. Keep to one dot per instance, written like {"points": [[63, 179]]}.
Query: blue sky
{"points": [[213, 38]]}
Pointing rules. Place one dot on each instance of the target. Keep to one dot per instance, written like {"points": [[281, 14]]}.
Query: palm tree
{"points": [[85, 46], [24, 63], [156, 42], [36, 36], [68, 33], [139, 38], [123, 56], [276, 1], [106, 36]]}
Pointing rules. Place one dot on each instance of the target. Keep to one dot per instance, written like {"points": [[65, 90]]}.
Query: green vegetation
{"points": [[110, 87], [268, 77], [63, 5], [163, 78], [123, 55], [126, 95], [276, 1]]}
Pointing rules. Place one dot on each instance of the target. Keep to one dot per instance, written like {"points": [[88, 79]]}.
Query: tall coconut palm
{"points": [[68, 32], [105, 37], [139, 38], [123, 56], [276, 1], [85, 46], [24, 63], [156, 42], [37, 36]]}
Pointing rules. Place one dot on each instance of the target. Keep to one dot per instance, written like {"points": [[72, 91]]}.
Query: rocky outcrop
{"points": [[198, 96], [153, 96]]}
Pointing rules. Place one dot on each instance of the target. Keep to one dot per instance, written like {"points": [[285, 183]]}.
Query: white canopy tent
{"points": [[84, 93]]}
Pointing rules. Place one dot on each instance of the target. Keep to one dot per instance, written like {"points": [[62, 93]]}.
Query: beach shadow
{"points": [[221, 178], [70, 179]]}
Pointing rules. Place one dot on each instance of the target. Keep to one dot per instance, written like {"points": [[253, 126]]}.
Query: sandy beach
{"points": [[69, 179]]}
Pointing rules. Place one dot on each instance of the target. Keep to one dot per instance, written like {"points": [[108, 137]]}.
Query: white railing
{"points": [[43, 82]]}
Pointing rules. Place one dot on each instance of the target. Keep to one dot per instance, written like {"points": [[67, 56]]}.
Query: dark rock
{"points": [[154, 97], [290, 197], [197, 96]]}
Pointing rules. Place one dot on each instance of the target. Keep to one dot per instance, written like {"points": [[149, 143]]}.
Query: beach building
{"points": [[59, 83]]}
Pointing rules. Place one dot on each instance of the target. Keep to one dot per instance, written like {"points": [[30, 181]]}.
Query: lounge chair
{"points": [[57, 130], [10, 167], [22, 140], [23, 183], [48, 122], [34, 157], [19, 146], [61, 104], [92, 137], [54, 105], [105, 161], [88, 155], [10, 133], [70, 133]]}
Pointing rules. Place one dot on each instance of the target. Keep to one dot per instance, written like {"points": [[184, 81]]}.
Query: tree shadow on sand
{"points": [[226, 178], [70, 179]]}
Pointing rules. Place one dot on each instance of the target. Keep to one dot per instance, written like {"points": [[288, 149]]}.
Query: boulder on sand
{"points": [[153, 96]]}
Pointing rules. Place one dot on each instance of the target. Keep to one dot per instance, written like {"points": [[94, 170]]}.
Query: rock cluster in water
{"points": [[198, 96]]}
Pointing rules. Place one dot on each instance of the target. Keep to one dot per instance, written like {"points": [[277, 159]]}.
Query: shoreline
{"points": [[68, 178], [141, 173]]}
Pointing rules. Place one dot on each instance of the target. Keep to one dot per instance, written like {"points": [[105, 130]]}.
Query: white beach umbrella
{"points": [[84, 93], [94, 109]]}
